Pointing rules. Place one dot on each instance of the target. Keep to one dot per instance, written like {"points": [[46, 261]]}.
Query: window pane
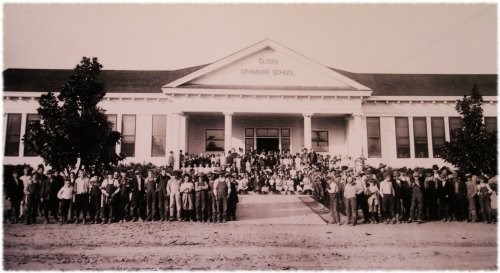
{"points": [[320, 141], [13, 135], [285, 132], [420, 136], [158, 146], [215, 146], [30, 118], [159, 125], [402, 137], [490, 123], [249, 144], [272, 132], [214, 140], [438, 138], [249, 132], [158, 135], [373, 133], [261, 132], [285, 144], [454, 123], [128, 135], [113, 119], [215, 134]]}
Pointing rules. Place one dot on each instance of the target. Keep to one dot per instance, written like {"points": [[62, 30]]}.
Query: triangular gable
{"points": [[267, 64]]}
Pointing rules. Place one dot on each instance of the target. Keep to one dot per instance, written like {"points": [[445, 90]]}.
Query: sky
{"points": [[362, 38]]}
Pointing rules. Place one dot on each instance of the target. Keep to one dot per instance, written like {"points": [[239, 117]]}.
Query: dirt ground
{"points": [[269, 235]]}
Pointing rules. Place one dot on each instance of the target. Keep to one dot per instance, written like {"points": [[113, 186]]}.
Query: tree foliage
{"points": [[472, 148], [73, 132]]}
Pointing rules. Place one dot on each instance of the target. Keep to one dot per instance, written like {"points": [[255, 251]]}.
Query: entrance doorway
{"points": [[268, 144]]}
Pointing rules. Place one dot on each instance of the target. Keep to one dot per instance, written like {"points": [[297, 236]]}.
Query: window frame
{"points": [[377, 138], [327, 140], [216, 139], [162, 135], [123, 142], [16, 135], [436, 151], [419, 142]]}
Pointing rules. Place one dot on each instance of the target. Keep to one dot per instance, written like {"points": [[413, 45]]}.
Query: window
{"points": [[373, 133], [420, 136], [285, 139], [402, 137], [30, 118], [454, 123], [320, 141], [113, 119], [159, 135], [267, 132], [490, 123], [438, 137], [214, 140], [249, 139], [128, 135], [13, 137]]}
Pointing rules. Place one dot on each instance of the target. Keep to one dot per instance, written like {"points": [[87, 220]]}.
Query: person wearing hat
{"points": [[351, 190], [174, 193], [138, 196], [459, 204], [417, 198], [201, 188], [232, 199], [472, 194], [14, 192], [484, 191], [187, 196], [150, 186], [109, 188], [222, 188], [373, 197], [95, 199], [362, 200], [333, 192], [81, 187], [430, 195], [161, 194], [446, 194], [387, 192]]}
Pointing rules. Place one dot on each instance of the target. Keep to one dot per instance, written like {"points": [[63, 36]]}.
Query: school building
{"points": [[266, 96]]}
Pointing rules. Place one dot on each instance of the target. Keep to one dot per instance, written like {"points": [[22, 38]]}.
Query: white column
{"points": [[183, 132], [446, 128], [429, 137], [228, 131], [358, 137], [23, 132], [307, 131], [412, 138], [119, 129]]}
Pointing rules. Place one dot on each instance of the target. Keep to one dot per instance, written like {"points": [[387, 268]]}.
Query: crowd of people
{"points": [[205, 188]]}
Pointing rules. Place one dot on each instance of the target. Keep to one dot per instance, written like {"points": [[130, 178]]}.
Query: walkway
{"points": [[275, 209]]}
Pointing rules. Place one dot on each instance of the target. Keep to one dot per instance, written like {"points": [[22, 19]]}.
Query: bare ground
{"points": [[247, 244]]}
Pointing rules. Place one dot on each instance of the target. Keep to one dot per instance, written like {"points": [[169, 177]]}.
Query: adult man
{"points": [[460, 200], [82, 187], [361, 199], [333, 191], [201, 187], [446, 195], [49, 189], [161, 191], [350, 192], [95, 198], [173, 191], [124, 197], [138, 196], [222, 188], [211, 205], [150, 182], [109, 188], [26, 179], [33, 198], [417, 198], [14, 189], [171, 160], [232, 200]]}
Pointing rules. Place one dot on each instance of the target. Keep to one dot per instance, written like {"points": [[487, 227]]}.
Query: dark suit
{"points": [[446, 196], [49, 189], [161, 191], [14, 189], [138, 198]]}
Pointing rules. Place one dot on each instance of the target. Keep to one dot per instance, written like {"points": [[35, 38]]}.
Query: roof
{"points": [[142, 81]]}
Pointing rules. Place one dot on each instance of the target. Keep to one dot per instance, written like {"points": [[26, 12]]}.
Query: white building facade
{"points": [[264, 97]]}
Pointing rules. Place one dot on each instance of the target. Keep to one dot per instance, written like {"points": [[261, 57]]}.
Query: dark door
{"points": [[268, 144]]}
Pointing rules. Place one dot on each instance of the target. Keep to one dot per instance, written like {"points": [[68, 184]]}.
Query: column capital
{"points": [[177, 113], [228, 113], [307, 114]]}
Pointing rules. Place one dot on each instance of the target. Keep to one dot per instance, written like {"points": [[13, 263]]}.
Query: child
{"points": [[387, 192], [373, 193], [66, 196]]}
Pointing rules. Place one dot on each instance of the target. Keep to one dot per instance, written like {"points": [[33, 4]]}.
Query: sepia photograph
{"points": [[249, 136]]}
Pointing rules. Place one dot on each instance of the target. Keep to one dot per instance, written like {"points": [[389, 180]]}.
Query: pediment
{"points": [[267, 65]]}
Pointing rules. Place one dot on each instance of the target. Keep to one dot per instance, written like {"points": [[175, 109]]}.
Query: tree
{"points": [[472, 148], [73, 133]]}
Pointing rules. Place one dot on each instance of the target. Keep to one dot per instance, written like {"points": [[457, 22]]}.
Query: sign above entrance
{"points": [[267, 65]]}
